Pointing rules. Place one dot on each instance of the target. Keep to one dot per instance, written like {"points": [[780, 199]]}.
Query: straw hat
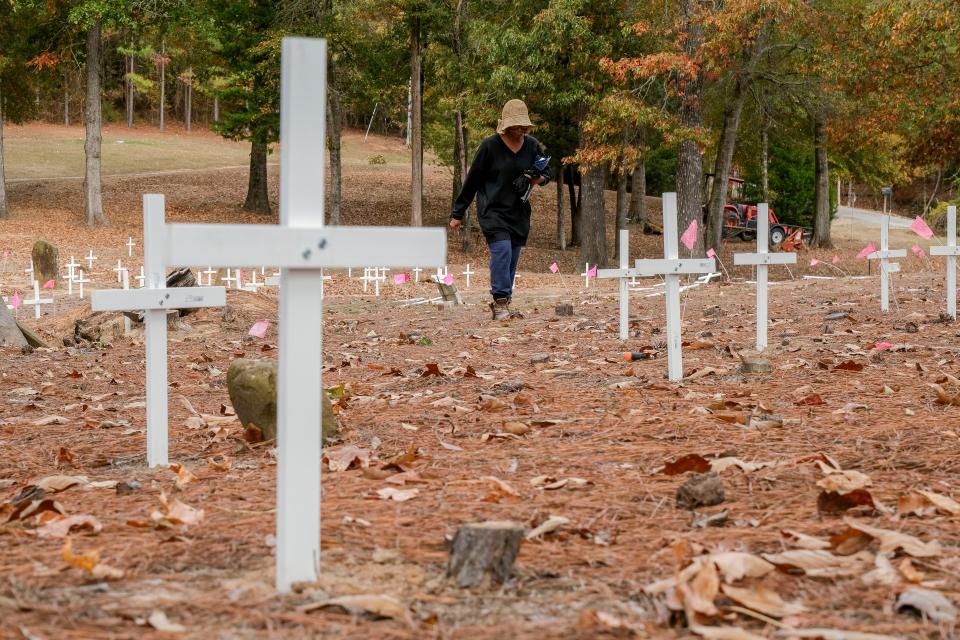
{"points": [[514, 114]]}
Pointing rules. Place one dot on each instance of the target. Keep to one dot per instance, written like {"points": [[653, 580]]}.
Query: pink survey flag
{"points": [[15, 300], [49, 284], [921, 254], [920, 228], [400, 278], [448, 279], [259, 328], [866, 251], [554, 268], [592, 272], [689, 237], [882, 346], [835, 260], [916, 249], [711, 253], [814, 262]]}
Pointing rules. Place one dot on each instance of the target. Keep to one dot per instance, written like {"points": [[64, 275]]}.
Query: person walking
{"points": [[503, 172]]}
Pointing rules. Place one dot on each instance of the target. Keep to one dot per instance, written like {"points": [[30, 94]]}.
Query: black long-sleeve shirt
{"points": [[501, 213]]}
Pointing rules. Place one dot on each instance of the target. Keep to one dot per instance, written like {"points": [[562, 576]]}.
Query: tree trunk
{"points": [[638, 186], [92, 184], [258, 199], [188, 105], [621, 208], [416, 133], [216, 108], [129, 87], [335, 144], [561, 214], [458, 172], [4, 213], [821, 221], [689, 173], [163, 83], [593, 218], [66, 99], [721, 171], [574, 204]]}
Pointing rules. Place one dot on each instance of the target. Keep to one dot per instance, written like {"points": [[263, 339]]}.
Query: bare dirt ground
{"points": [[845, 431]]}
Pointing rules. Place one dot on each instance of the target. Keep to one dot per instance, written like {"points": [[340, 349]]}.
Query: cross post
{"points": [[81, 280], [301, 246], [72, 267], [156, 300], [951, 251], [762, 260], [623, 274], [130, 244], [886, 267], [670, 268], [90, 258]]}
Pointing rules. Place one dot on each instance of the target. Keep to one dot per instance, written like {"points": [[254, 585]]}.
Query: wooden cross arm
{"points": [[172, 298], [891, 267], [945, 251], [660, 266], [891, 253], [764, 258], [222, 245], [614, 273]]}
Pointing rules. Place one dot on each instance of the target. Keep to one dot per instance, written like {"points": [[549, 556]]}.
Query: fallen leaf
{"points": [[944, 397], [762, 599], [158, 620], [699, 593], [48, 420], [893, 540], [176, 512], [86, 561], [345, 457], [184, 475], [380, 606], [60, 527], [942, 503], [724, 633], [219, 462], [501, 486], [736, 565], [833, 503], [65, 456], [722, 464], [883, 575], [849, 365], [431, 369], [820, 563], [690, 462], [930, 604], [831, 634], [844, 481], [56, 484], [516, 428], [811, 400], [804, 541], [550, 525], [397, 495], [911, 573]]}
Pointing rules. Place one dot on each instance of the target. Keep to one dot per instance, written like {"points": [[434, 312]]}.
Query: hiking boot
{"points": [[500, 308]]}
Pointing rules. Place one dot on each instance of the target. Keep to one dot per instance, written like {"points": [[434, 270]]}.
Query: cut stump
{"points": [[482, 549], [564, 309]]}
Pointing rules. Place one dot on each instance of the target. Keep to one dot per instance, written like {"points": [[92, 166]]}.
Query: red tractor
{"points": [[740, 220]]}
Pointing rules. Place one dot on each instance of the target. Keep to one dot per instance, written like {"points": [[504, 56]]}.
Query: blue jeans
{"points": [[504, 256]]}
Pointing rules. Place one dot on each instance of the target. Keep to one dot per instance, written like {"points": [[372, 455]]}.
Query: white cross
{"points": [[366, 278], [30, 272], [416, 274], [90, 258], [253, 285], [37, 300], [301, 245], [210, 273], [469, 273], [322, 278], [670, 268], [441, 273], [141, 278], [586, 275], [622, 274], [886, 267], [762, 260], [119, 270], [230, 280], [81, 281], [72, 267], [130, 244], [155, 299], [239, 282], [951, 251]]}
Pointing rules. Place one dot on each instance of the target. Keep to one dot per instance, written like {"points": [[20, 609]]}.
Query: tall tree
{"points": [[93, 122]]}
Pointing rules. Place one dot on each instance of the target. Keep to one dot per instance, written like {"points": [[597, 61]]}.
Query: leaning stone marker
{"points": [[252, 385], [482, 549], [10, 334], [46, 261]]}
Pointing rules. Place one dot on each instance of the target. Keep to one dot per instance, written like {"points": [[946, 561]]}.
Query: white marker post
{"points": [[155, 300], [416, 274], [72, 267], [762, 260], [301, 245], [90, 258], [623, 274], [670, 268], [37, 300], [140, 278], [951, 251], [468, 273], [210, 273], [886, 267], [29, 272], [119, 270], [586, 275], [81, 281], [230, 280], [130, 244]]}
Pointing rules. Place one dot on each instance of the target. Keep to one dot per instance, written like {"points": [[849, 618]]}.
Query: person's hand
{"points": [[455, 224], [538, 180]]}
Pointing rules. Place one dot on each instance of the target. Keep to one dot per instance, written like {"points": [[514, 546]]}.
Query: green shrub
{"points": [[377, 159]]}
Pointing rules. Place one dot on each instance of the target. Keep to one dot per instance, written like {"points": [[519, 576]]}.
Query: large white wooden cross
{"points": [[951, 251], [671, 267], [301, 246], [762, 259], [886, 267], [155, 299], [623, 273]]}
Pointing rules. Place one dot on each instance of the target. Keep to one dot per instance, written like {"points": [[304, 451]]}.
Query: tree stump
{"points": [[182, 277], [564, 309], [484, 548], [10, 334]]}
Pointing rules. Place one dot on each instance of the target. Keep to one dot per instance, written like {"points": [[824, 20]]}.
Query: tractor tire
{"points": [[777, 235], [731, 225]]}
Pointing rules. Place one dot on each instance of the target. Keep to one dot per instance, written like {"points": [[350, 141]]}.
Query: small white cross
{"points": [[322, 279], [30, 272], [72, 267], [210, 273], [130, 244], [141, 278], [441, 273], [469, 273], [366, 278], [252, 284], [416, 274], [119, 269], [762, 259], [951, 251], [81, 281], [230, 280], [37, 300], [90, 258], [586, 275], [886, 267], [622, 274]]}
